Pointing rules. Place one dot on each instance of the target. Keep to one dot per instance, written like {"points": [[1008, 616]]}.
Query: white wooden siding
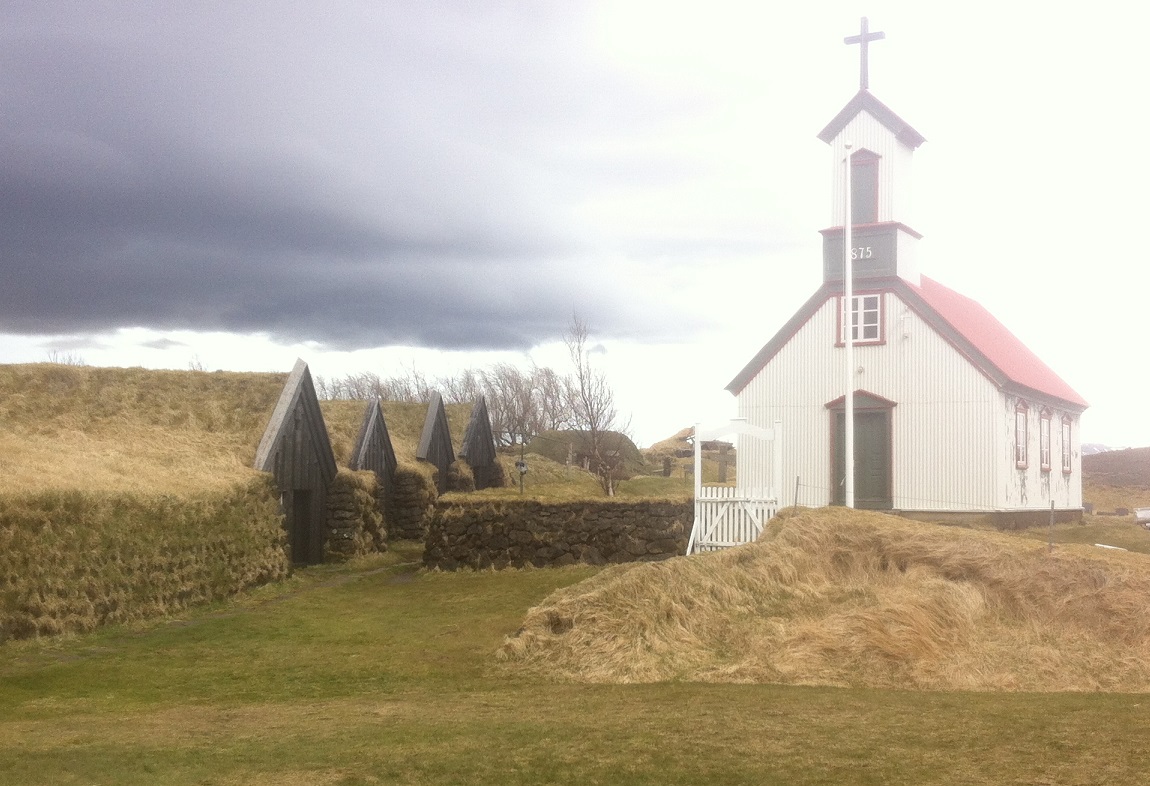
{"points": [[1031, 488], [945, 425], [865, 132]]}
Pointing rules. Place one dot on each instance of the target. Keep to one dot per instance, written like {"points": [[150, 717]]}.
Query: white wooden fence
{"points": [[726, 516]]}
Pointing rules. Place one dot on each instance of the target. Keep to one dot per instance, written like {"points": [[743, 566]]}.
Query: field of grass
{"points": [[375, 673]]}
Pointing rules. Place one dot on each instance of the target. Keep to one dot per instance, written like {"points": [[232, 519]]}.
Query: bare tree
{"points": [[503, 386], [592, 408], [463, 388], [410, 387], [552, 402]]}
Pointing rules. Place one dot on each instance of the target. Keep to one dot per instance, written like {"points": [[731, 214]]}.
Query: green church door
{"points": [[872, 459]]}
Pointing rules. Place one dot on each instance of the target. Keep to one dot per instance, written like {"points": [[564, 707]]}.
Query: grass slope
{"points": [[130, 429], [1117, 479], [849, 598], [404, 425]]}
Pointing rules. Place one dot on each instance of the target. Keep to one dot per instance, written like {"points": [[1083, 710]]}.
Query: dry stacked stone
{"points": [[517, 533], [354, 524], [411, 502]]}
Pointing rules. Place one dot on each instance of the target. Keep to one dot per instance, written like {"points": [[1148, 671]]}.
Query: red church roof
{"points": [[994, 341]]}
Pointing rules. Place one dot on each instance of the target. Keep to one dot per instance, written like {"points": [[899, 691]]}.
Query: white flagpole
{"points": [[847, 320]]}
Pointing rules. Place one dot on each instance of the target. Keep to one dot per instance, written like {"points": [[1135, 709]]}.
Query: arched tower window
{"points": [[864, 187]]}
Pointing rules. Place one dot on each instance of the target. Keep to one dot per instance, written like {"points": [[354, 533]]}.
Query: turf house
{"points": [[435, 442], [297, 451], [373, 449], [953, 415], [478, 448]]}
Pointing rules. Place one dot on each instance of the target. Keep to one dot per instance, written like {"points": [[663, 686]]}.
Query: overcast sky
{"points": [[380, 185]]}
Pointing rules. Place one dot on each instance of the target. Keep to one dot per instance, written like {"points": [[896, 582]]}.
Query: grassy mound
{"points": [[556, 445], [130, 493], [848, 598]]}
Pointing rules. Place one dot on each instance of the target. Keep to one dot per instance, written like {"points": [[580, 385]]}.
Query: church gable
{"points": [[864, 101], [979, 338]]}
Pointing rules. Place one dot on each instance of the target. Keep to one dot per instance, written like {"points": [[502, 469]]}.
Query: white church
{"points": [[953, 416]]}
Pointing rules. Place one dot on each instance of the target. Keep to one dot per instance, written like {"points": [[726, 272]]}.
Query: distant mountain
{"points": [[1093, 448], [1128, 467]]}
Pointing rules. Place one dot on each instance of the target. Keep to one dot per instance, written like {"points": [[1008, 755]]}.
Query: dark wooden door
{"points": [[872, 460], [300, 527]]}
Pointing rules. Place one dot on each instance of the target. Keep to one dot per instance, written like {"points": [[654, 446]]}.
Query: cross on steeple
{"points": [[863, 39]]}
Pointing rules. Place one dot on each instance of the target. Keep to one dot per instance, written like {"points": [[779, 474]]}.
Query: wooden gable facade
{"points": [[953, 414], [373, 450], [435, 442], [478, 448], [297, 451]]}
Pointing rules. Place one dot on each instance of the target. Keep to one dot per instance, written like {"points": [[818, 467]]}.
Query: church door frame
{"points": [[874, 435]]}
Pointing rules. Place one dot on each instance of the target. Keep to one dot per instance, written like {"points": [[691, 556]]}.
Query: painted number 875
{"points": [[861, 252]]}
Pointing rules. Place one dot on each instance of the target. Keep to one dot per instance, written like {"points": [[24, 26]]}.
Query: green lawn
{"points": [[377, 673]]}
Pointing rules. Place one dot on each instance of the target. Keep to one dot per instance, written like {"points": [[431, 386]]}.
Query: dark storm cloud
{"points": [[353, 174]]}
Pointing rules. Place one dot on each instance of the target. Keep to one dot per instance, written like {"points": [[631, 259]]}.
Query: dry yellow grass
{"points": [[1109, 498], [116, 429], [404, 425], [847, 598]]}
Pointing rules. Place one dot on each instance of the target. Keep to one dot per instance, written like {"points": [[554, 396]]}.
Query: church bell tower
{"points": [[881, 146]]}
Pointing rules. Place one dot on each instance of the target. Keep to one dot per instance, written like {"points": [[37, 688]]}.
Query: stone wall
{"points": [[411, 501], [516, 533], [354, 524]]}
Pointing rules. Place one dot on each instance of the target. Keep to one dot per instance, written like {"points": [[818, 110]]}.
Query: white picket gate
{"points": [[728, 516]]}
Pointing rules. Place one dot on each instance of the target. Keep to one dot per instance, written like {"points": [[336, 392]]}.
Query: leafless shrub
{"points": [[66, 358]]}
